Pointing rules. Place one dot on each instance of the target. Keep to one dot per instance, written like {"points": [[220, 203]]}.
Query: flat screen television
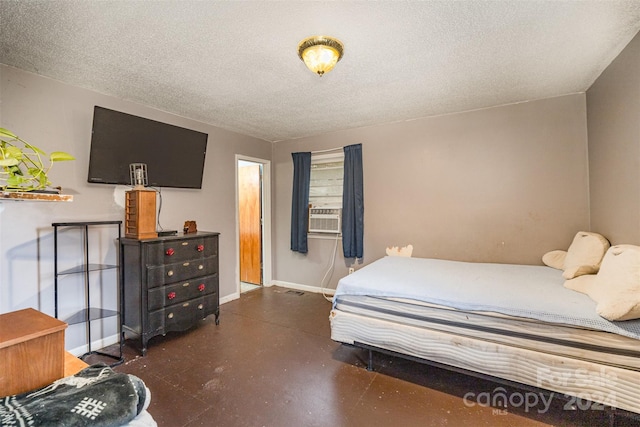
{"points": [[174, 155]]}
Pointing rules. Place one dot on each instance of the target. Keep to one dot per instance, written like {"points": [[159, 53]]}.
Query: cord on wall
{"points": [[330, 270], [159, 191]]}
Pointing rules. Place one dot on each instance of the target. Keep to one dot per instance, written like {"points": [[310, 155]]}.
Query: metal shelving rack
{"points": [[88, 314]]}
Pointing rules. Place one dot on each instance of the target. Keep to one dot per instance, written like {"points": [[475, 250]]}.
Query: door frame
{"points": [[266, 220]]}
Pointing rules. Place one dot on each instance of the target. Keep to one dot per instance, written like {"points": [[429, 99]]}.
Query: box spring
{"points": [[600, 366]]}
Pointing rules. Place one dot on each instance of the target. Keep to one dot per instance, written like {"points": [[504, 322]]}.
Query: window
{"points": [[325, 187]]}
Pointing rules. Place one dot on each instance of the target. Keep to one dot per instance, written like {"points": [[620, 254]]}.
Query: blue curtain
{"points": [[300, 201], [353, 203]]}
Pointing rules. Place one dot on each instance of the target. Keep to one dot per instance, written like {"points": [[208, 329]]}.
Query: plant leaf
{"points": [[15, 180], [34, 172], [43, 181], [9, 162], [15, 170], [60, 156], [33, 148], [14, 152], [7, 133]]}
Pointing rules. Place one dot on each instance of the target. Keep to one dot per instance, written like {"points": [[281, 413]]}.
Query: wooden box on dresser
{"points": [[169, 283]]}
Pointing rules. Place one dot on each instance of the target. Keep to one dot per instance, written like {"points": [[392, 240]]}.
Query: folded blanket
{"points": [[97, 396]]}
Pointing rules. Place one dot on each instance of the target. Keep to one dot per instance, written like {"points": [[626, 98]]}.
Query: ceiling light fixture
{"points": [[320, 53]]}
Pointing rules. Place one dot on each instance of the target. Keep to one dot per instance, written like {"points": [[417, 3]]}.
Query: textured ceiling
{"points": [[235, 65]]}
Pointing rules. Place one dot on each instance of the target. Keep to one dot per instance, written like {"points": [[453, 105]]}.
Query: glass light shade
{"points": [[320, 59], [320, 54]]}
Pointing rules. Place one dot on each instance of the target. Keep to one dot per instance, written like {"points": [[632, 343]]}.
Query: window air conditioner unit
{"points": [[325, 220]]}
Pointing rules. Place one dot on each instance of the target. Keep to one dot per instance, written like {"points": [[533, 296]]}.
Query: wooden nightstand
{"points": [[32, 351]]}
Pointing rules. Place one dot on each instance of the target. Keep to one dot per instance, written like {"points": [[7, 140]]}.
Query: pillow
{"points": [[585, 254], [616, 287], [586, 284], [554, 259]]}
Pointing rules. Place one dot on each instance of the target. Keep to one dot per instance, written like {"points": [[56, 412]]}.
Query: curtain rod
{"points": [[327, 150]]}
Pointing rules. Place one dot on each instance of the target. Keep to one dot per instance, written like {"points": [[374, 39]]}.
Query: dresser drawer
{"points": [[158, 275], [178, 292], [173, 251], [182, 316]]}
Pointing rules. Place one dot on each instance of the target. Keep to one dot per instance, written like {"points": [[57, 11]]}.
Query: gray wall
{"points": [[58, 117], [613, 114], [503, 184]]}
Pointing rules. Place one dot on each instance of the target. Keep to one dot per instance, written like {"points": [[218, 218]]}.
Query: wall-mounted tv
{"points": [[174, 155]]}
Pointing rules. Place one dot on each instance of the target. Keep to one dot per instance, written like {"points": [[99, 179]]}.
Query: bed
{"points": [[514, 323]]}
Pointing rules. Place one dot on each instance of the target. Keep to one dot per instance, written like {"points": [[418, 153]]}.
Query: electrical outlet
{"points": [[351, 270]]}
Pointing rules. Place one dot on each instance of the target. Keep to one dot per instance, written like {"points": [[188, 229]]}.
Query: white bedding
{"points": [[529, 291]]}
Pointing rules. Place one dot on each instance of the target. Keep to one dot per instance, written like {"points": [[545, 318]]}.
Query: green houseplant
{"points": [[23, 166]]}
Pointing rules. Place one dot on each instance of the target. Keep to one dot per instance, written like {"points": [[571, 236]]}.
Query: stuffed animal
{"points": [[404, 251]]}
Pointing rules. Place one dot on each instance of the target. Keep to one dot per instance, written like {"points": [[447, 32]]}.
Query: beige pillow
{"points": [[586, 284], [585, 254], [616, 287], [555, 259]]}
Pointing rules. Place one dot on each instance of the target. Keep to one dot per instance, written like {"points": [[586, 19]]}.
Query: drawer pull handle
{"points": [[201, 287], [186, 304], [170, 251], [200, 307], [171, 295], [200, 248], [170, 273], [185, 284], [186, 264], [170, 315], [185, 243], [200, 267]]}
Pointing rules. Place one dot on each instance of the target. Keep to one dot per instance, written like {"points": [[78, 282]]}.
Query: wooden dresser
{"points": [[169, 283]]}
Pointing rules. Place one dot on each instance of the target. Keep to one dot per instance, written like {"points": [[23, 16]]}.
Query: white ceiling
{"points": [[235, 64]]}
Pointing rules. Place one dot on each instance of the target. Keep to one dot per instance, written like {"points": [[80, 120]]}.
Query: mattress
{"points": [[513, 322], [526, 291], [565, 340]]}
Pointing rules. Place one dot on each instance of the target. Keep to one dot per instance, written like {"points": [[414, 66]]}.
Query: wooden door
{"points": [[250, 218]]}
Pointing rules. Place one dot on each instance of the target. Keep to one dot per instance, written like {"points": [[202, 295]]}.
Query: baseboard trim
{"points": [[299, 287], [230, 298], [282, 284], [95, 345]]}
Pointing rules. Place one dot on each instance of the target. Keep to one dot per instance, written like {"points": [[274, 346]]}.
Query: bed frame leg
{"points": [[370, 364]]}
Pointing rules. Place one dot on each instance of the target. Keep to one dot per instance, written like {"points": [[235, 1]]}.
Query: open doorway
{"points": [[252, 177]]}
